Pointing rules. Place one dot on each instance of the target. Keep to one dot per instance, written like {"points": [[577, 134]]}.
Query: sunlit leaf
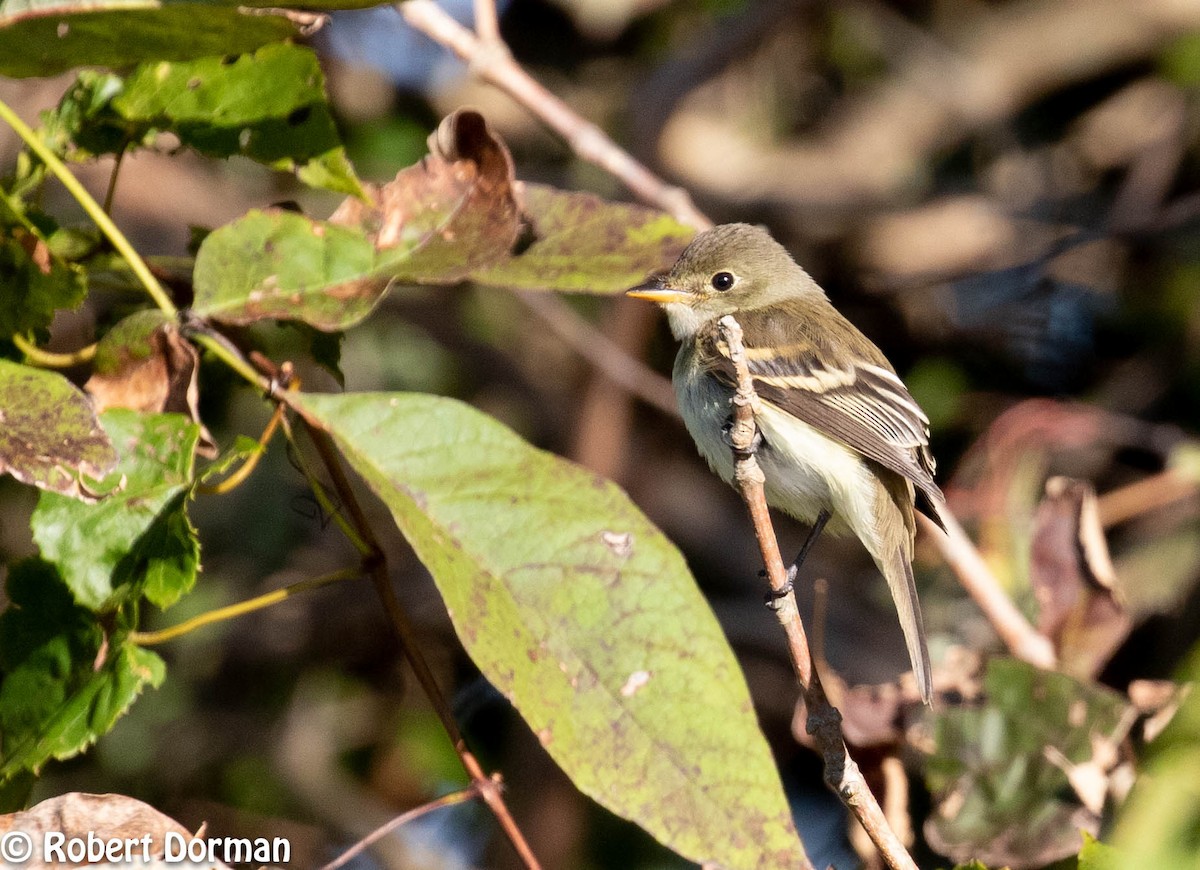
{"points": [[582, 243], [63, 685], [583, 615], [49, 435], [46, 37], [138, 538]]}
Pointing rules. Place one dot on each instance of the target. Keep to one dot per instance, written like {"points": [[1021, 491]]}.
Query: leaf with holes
{"points": [[46, 37]]}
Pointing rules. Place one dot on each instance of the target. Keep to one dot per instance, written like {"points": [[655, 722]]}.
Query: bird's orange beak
{"points": [[656, 289]]}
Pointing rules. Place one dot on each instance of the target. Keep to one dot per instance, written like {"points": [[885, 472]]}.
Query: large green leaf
{"points": [[64, 683], [49, 435], [138, 539], [583, 615], [46, 37]]}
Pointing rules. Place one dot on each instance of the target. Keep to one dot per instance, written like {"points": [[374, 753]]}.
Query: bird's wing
{"points": [[862, 404]]}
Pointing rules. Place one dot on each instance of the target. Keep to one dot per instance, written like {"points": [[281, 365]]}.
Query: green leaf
{"points": [[49, 436], [46, 37], [34, 282], [1003, 799], [584, 244], [1097, 856], [269, 106], [282, 265], [62, 687], [138, 539], [1159, 825], [583, 615]]}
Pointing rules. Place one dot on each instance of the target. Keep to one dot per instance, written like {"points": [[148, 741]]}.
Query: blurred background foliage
{"points": [[1003, 195]]}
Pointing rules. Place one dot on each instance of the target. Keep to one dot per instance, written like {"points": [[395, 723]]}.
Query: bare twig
{"points": [[824, 721], [491, 62], [449, 800], [617, 364], [1017, 633], [487, 22], [376, 564], [1149, 494]]}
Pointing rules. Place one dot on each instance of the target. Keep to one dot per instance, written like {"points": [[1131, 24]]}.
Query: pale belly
{"points": [[806, 472]]}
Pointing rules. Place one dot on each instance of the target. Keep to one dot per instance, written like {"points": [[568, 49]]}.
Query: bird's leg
{"points": [[817, 527]]}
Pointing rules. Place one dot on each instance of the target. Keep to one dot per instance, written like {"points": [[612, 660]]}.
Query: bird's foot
{"points": [[727, 437], [773, 598]]}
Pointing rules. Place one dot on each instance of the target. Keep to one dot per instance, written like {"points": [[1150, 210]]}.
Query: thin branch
{"points": [[491, 62], [824, 721], [376, 563], [1017, 633], [617, 364], [1149, 494], [449, 800], [243, 472], [487, 22]]}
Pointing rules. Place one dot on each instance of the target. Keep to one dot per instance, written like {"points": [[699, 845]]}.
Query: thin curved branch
{"points": [[490, 61], [842, 774]]}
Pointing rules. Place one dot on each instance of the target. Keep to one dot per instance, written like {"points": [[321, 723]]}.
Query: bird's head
{"points": [[727, 269]]}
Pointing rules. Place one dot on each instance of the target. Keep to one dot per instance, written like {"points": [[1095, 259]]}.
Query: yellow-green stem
{"points": [[48, 359], [149, 638], [93, 209], [230, 358]]}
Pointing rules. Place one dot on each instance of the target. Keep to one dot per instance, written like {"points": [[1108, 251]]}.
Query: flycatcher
{"points": [[842, 441]]}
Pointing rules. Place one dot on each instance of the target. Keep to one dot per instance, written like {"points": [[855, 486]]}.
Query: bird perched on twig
{"points": [[842, 441]]}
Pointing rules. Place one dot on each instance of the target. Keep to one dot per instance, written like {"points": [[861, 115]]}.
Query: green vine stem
{"points": [[150, 638], [93, 209], [48, 359]]}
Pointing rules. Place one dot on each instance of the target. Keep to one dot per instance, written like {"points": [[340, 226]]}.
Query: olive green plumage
{"points": [[841, 433]]}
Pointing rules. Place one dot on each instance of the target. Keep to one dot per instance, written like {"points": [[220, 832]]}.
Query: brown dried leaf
{"points": [[143, 363], [451, 214], [1080, 607], [104, 816]]}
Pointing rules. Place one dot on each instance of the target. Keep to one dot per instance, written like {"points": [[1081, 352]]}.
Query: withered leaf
{"points": [[143, 363], [1080, 608]]}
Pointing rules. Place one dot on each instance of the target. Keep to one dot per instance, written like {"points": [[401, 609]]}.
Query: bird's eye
{"points": [[723, 281]]}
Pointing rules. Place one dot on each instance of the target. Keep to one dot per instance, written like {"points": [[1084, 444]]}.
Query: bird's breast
{"points": [[806, 472]]}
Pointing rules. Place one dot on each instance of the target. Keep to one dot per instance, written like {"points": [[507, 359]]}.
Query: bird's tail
{"points": [[898, 571]]}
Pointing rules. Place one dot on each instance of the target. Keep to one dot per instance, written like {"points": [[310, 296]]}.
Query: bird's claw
{"points": [[773, 598], [727, 437]]}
